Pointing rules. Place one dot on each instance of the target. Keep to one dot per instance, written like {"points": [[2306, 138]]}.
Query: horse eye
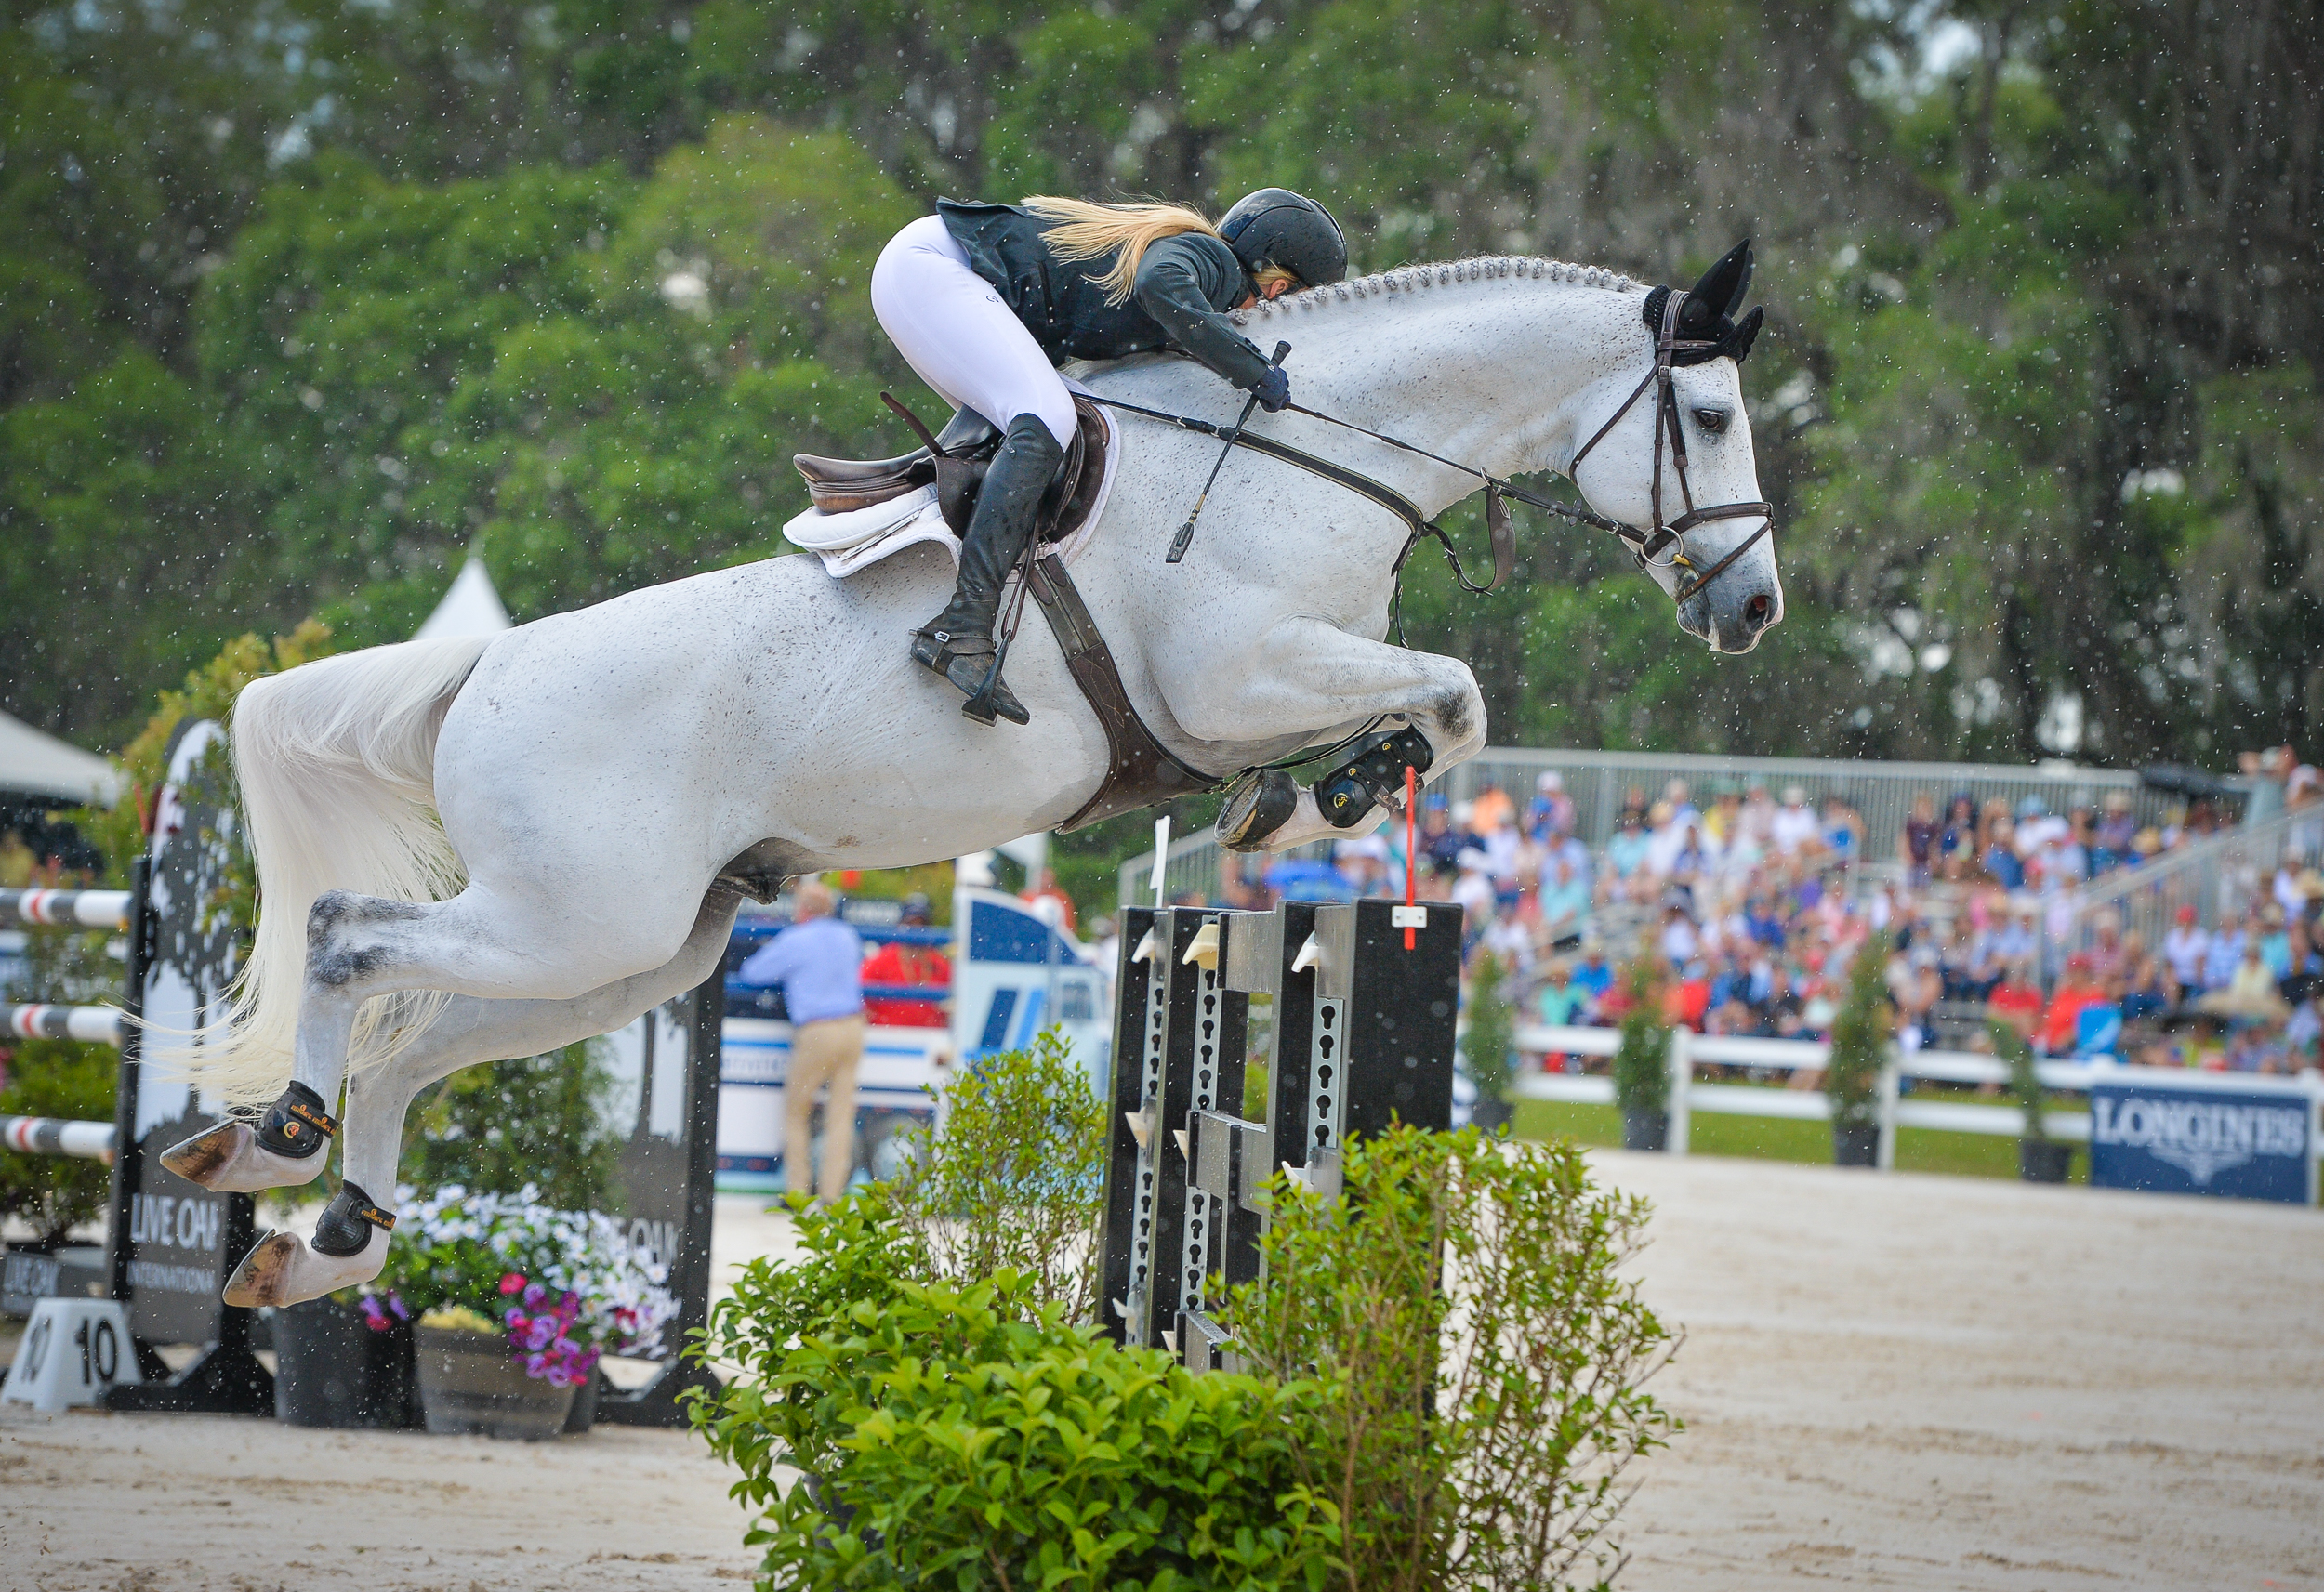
{"points": [[1711, 420]]}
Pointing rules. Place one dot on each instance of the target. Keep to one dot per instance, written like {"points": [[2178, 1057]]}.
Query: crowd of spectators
{"points": [[1753, 904]]}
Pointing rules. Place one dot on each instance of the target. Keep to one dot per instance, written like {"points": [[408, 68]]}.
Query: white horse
{"points": [[476, 849]]}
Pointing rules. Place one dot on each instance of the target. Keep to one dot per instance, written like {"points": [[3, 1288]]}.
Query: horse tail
{"points": [[335, 760]]}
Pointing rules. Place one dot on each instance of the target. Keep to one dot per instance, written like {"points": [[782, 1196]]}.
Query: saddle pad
{"points": [[858, 538]]}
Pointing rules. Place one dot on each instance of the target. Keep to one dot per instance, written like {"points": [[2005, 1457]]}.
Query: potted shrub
{"points": [[344, 1361], [2041, 1159], [1487, 1041], [1859, 1049], [516, 1302], [1641, 1059]]}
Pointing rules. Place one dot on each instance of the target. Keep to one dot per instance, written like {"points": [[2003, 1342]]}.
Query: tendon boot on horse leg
{"points": [[349, 1247], [959, 643], [1263, 801], [1373, 775], [281, 1150]]}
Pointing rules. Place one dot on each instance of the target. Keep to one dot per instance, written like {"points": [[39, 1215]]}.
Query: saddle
{"points": [[954, 461], [1140, 771]]}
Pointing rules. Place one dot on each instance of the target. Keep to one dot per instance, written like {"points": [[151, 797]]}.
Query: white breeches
{"points": [[951, 326]]}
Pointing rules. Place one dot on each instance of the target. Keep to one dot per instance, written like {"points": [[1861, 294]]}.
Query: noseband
{"points": [[1647, 547]]}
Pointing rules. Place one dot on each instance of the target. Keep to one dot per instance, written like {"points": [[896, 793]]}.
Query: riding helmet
{"points": [[1277, 227]]}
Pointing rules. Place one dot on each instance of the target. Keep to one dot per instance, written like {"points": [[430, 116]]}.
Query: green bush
{"points": [[1012, 1177], [1481, 1361], [977, 1438], [2025, 1083], [535, 1123], [59, 1078], [1490, 1040], [1859, 1040], [1443, 1379], [1641, 1056]]}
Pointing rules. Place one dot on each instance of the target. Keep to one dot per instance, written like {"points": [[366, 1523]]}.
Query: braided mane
{"points": [[1412, 278]]}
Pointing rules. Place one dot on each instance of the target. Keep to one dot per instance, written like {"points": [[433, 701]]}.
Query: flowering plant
{"points": [[565, 1285]]}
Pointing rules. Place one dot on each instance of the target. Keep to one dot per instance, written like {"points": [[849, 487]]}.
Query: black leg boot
{"points": [[958, 643]]}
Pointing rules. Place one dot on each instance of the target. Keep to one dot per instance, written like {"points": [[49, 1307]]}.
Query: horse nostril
{"points": [[1759, 611]]}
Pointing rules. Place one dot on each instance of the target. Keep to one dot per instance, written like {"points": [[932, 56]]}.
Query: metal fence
{"points": [[1600, 783], [2220, 877]]}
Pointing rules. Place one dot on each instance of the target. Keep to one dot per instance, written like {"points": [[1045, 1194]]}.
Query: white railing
{"points": [[1689, 1049], [2219, 877]]}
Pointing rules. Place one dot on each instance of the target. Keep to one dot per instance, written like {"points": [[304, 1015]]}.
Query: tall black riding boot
{"points": [[958, 643]]}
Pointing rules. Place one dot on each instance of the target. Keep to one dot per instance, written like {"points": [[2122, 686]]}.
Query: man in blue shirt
{"points": [[818, 960]]}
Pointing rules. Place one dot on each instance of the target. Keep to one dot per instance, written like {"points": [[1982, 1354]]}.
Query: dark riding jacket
{"points": [[1182, 285]]}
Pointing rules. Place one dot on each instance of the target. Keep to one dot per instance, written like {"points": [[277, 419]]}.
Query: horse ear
{"points": [[1723, 285], [1737, 343]]}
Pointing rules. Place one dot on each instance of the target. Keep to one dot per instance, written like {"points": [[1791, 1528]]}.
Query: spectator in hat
{"points": [[2223, 956], [1793, 830], [1552, 810], [2001, 855]]}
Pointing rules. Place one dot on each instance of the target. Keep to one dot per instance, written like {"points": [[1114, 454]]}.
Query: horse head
{"points": [[1667, 444]]}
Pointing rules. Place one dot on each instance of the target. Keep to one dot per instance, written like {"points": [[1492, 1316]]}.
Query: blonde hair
{"points": [[1079, 230]]}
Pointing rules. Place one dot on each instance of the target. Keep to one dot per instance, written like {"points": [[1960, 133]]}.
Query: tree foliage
{"points": [[298, 302]]}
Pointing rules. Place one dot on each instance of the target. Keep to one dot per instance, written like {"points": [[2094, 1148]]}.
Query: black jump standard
{"points": [[1365, 999]]}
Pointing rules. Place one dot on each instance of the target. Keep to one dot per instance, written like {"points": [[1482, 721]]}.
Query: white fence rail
{"points": [[1689, 1049]]}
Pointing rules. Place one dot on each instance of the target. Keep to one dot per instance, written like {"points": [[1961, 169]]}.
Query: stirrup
{"points": [[973, 664]]}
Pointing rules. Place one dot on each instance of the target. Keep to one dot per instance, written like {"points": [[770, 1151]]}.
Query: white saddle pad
{"points": [[857, 538]]}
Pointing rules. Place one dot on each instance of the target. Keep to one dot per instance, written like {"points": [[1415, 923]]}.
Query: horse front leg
{"points": [[1305, 676]]}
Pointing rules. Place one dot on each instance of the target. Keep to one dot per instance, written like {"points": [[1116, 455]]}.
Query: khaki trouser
{"points": [[822, 1054]]}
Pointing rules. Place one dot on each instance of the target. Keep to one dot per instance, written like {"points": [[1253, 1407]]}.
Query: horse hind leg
{"points": [[285, 1146], [350, 1243]]}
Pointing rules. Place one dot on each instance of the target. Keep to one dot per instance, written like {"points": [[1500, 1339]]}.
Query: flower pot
{"points": [[583, 1411], [1490, 1113], [1646, 1130], [331, 1370], [1854, 1145], [2043, 1161], [470, 1383]]}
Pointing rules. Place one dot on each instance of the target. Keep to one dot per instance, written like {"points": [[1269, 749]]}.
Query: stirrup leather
{"points": [[297, 1124]]}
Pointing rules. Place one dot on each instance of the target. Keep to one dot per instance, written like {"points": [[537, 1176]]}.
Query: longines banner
{"points": [[2246, 1141]]}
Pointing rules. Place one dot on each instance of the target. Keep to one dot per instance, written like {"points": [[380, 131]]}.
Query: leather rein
{"points": [[1646, 546]]}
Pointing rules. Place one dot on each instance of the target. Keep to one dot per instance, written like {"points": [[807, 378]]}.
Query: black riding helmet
{"points": [[1277, 227]]}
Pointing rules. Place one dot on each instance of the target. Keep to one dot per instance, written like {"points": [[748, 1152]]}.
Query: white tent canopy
{"points": [[472, 608], [39, 765]]}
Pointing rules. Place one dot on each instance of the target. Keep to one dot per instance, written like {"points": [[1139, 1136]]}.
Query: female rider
{"points": [[987, 300]]}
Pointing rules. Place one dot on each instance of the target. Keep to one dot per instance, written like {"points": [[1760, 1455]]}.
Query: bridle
{"points": [[1647, 547]]}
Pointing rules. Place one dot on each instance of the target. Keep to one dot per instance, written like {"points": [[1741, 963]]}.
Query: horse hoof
{"points": [[260, 1279], [1257, 805], [230, 1159], [283, 1270]]}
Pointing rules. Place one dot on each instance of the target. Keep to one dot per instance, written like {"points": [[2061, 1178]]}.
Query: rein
{"points": [[1645, 546]]}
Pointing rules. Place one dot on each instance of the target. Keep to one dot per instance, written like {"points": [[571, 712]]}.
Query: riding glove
{"points": [[1273, 389]]}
